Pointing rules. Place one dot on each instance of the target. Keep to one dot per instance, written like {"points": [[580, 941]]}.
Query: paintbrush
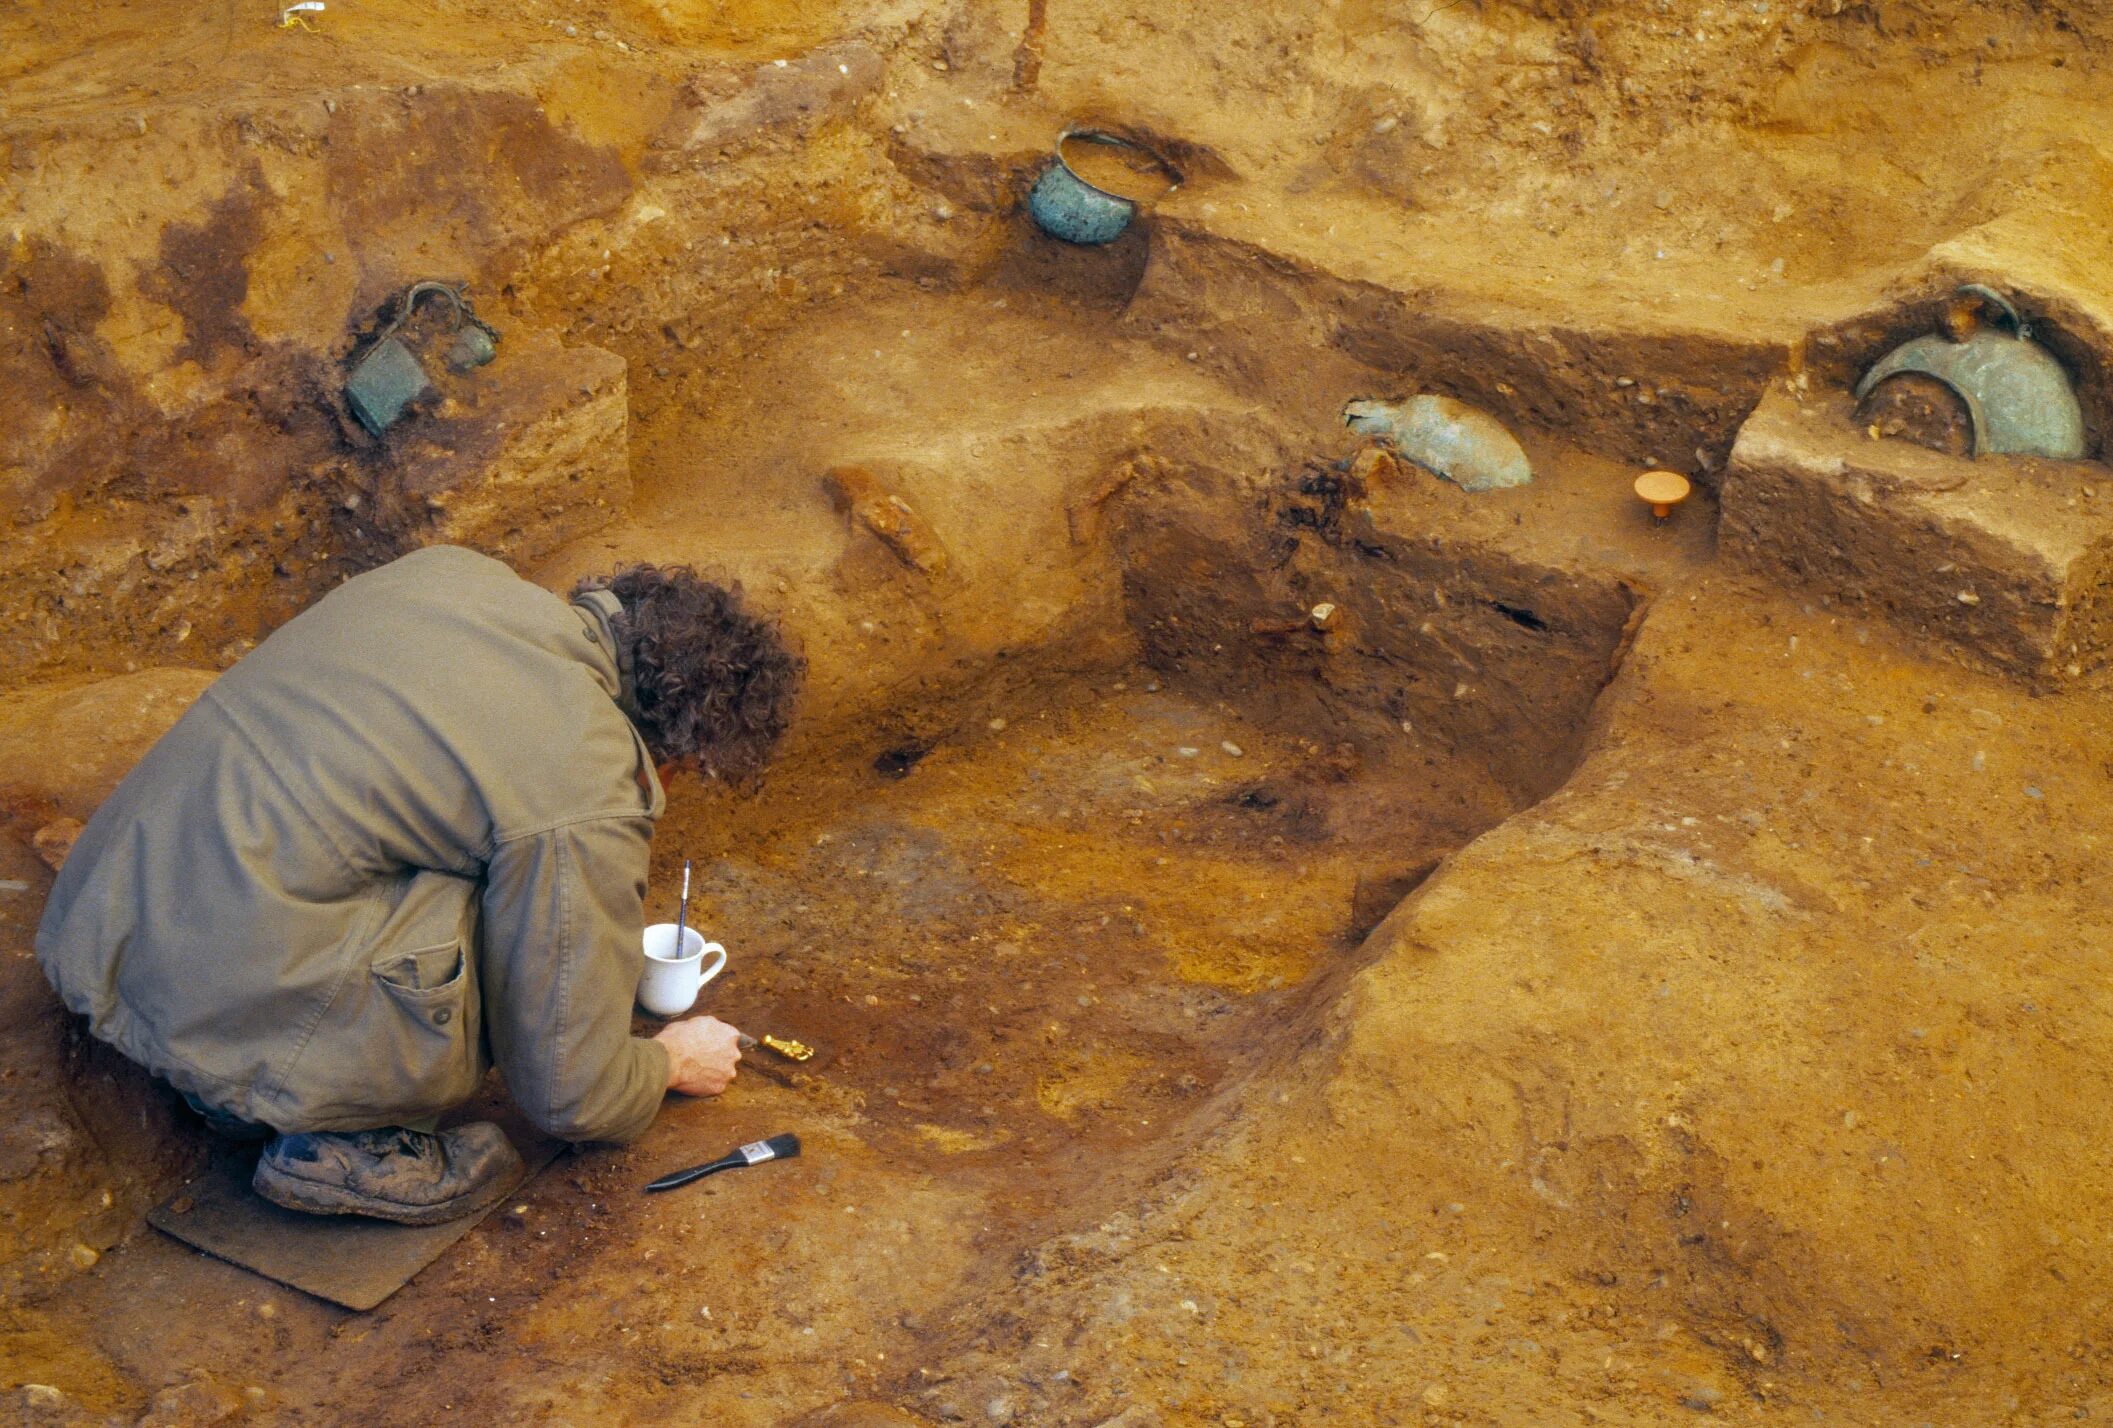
{"points": [[778, 1147], [682, 910]]}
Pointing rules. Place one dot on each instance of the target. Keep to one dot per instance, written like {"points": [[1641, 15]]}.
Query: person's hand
{"points": [[702, 1054]]}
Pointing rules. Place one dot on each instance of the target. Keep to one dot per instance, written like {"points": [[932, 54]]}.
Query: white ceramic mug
{"points": [[672, 980]]}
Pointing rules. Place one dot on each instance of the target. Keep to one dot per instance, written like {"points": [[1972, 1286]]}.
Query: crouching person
{"points": [[403, 840]]}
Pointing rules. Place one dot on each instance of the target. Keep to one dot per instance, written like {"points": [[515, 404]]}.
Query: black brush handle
{"points": [[778, 1147], [680, 1178]]}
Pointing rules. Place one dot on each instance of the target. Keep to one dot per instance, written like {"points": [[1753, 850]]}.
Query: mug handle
{"points": [[717, 967]]}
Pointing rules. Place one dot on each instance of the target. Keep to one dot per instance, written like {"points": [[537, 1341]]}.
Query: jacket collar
{"points": [[605, 610], [601, 611]]}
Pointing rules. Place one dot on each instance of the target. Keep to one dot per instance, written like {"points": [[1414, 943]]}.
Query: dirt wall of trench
{"points": [[1495, 659]]}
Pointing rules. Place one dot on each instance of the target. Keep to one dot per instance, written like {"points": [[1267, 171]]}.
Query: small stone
{"points": [[1437, 1396], [192, 1405], [1849, 1120], [267, 1311], [83, 1256], [997, 725], [1152, 688], [1985, 718], [1323, 615], [55, 840], [1968, 597], [1188, 753], [1232, 750], [1136, 1415]]}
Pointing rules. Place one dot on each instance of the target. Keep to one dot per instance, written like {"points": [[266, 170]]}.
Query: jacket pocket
{"points": [[403, 1036], [429, 969]]}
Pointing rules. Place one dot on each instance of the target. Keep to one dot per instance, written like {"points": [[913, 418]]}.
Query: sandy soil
{"points": [[1471, 1046]]}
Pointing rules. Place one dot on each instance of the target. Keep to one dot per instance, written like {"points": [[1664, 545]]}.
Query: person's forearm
{"points": [[562, 912]]}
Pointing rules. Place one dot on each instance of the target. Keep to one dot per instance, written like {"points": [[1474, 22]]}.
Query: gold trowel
{"points": [[786, 1047]]}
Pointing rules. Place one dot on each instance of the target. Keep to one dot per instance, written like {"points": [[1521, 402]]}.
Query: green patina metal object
{"points": [[1064, 205], [388, 378], [2017, 394], [1465, 445], [473, 347]]}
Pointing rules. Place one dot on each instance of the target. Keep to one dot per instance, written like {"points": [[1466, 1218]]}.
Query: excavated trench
{"points": [[1049, 909], [1101, 781], [1052, 902], [1044, 930], [1744, 1072]]}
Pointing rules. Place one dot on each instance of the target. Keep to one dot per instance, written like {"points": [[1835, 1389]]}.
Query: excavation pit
{"points": [[1056, 939], [1083, 871], [1614, 980]]}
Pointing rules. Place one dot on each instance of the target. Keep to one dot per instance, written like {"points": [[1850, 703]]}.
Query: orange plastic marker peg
{"points": [[1664, 490]]}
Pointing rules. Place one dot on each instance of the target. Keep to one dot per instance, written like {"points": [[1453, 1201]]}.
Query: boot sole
{"points": [[292, 1193]]}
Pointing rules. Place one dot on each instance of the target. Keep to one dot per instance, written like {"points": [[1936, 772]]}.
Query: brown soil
{"points": [[1922, 410], [1289, 942], [1118, 169]]}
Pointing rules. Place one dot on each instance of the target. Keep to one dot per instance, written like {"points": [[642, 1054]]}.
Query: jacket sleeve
{"points": [[563, 909]]}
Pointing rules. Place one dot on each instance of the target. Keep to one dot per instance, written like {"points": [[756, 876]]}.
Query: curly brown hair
{"points": [[712, 684]]}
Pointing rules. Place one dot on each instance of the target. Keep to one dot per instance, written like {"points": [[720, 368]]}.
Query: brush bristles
{"points": [[784, 1147]]}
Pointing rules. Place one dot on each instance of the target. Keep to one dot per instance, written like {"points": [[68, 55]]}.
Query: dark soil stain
{"points": [[204, 272]]}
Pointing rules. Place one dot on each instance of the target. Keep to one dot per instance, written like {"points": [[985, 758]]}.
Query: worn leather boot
{"points": [[411, 1177]]}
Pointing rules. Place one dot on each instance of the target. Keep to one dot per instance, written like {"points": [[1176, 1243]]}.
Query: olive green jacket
{"points": [[404, 838]]}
